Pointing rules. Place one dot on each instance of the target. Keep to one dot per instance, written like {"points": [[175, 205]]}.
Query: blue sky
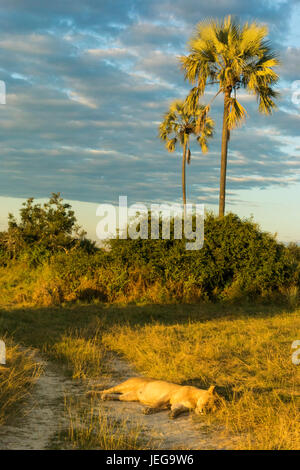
{"points": [[87, 85]]}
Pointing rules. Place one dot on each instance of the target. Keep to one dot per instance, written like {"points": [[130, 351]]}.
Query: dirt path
{"points": [[185, 432], [44, 412], [45, 415]]}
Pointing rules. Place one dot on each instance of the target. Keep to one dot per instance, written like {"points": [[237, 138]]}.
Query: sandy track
{"points": [[44, 415], [44, 412], [186, 432]]}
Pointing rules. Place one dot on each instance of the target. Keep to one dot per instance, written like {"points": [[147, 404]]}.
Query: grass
{"points": [[255, 351], [42, 327], [16, 283], [78, 277], [16, 379], [248, 359], [90, 429], [262, 421], [245, 349], [82, 351]]}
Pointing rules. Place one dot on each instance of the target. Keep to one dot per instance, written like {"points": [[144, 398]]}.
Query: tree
{"points": [[49, 228], [177, 127], [231, 56]]}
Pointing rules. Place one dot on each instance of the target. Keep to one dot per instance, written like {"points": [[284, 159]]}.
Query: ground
{"points": [[244, 349]]}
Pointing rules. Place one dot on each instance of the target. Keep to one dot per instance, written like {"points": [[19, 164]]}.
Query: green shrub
{"points": [[42, 230], [237, 261], [236, 257]]}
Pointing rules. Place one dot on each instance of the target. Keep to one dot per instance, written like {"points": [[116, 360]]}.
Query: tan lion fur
{"points": [[159, 395]]}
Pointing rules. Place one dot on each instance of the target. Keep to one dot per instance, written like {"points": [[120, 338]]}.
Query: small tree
{"points": [[231, 56], [177, 127], [49, 227]]}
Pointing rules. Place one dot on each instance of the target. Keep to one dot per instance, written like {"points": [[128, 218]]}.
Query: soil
{"points": [[44, 415]]}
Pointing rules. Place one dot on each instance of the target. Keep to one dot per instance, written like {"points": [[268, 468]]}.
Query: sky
{"points": [[87, 84]]}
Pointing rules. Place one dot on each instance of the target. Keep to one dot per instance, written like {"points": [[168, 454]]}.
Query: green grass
{"points": [[44, 326]]}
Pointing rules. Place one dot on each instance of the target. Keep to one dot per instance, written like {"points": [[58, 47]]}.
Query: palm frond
{"points": [[236, 113], [192, 100], [265, 97], [171, 144], [201, 119], [180, 122], [233, 55], [202, 141]]}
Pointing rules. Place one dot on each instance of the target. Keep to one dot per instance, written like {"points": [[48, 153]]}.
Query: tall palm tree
{"points": [[177, 127], [231, 56]]}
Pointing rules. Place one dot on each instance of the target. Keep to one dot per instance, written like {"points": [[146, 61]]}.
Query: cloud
{"points": [[88, 83], [290, 68]]}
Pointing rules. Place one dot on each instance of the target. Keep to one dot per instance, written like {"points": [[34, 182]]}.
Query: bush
{"points": [[237, 258], [42, 230], [237, 261]]}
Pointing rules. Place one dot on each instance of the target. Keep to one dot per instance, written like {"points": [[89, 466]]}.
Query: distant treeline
{"points": [[45, 259]]}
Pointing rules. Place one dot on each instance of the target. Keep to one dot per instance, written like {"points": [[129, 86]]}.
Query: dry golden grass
{"points": [[16, 379], [83, 353], [244, 349], [263, 421], [248, 359]]}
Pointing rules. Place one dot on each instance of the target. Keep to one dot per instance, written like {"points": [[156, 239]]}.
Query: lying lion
{"points": [[159, 395]]}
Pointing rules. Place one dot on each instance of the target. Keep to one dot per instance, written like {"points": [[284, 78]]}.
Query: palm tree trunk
{"points": [[224, 150], [183, 176]]}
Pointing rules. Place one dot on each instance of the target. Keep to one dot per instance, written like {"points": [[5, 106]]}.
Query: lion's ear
{"points": [[211, 389]]}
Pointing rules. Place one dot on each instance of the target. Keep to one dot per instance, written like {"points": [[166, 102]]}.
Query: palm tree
{"points": [[231, 56], [177, 127]]}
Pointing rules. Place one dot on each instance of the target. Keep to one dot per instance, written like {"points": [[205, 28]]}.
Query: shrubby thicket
{"points": [[45, 259]]}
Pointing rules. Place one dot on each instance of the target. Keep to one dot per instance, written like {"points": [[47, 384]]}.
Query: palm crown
{"points": [[177, 127], [179, 124], [231, 56]]}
